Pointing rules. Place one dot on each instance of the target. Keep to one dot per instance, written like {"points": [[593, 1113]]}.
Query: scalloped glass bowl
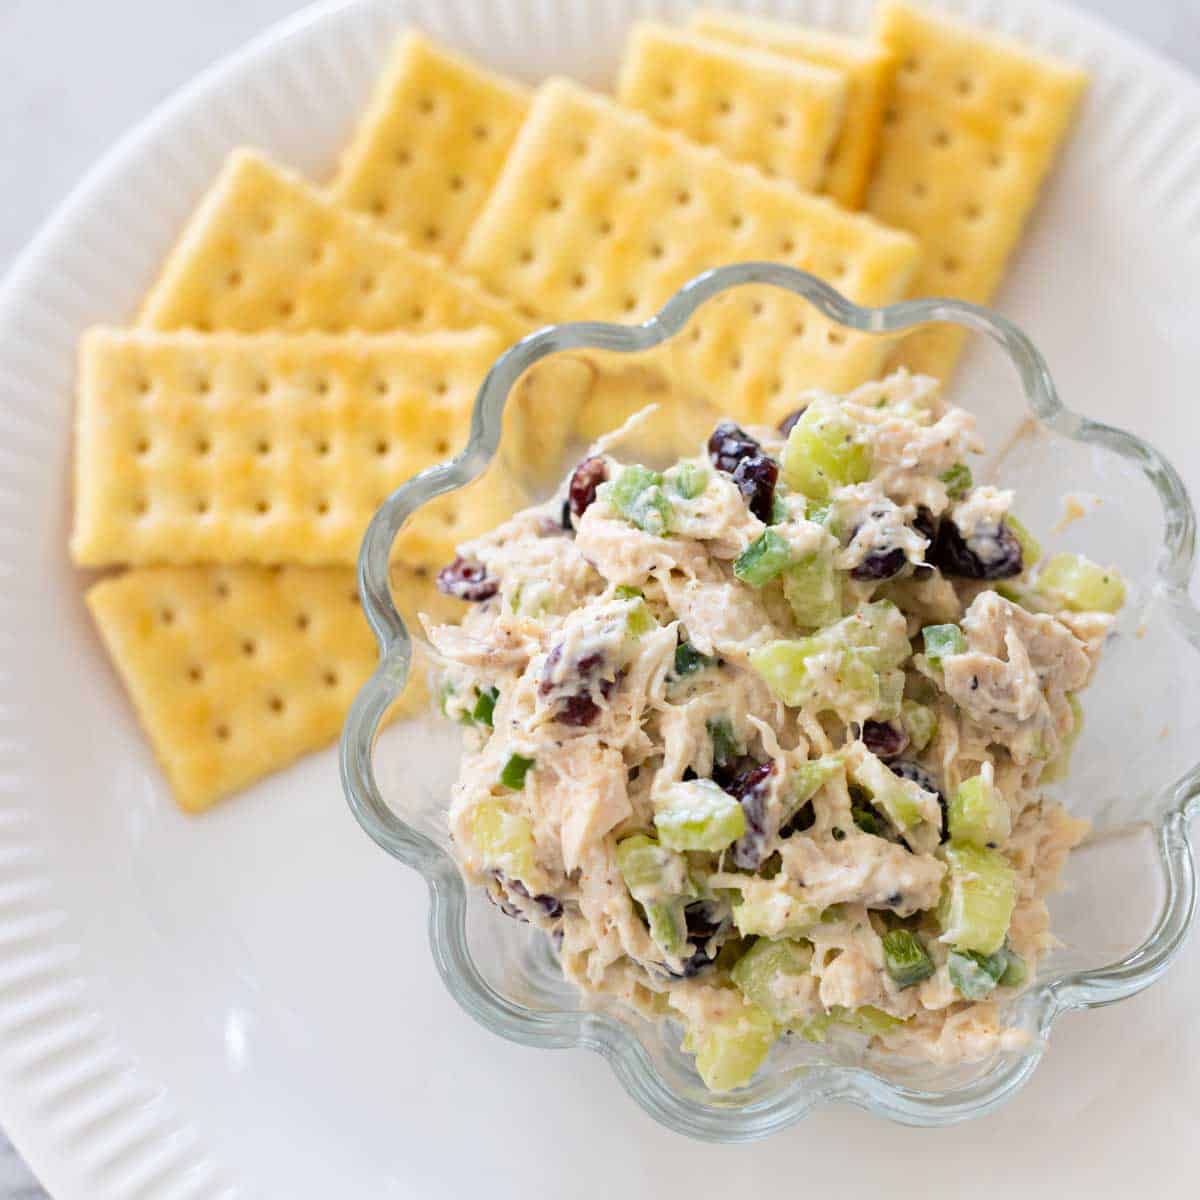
{"points": [[1129, 891]]}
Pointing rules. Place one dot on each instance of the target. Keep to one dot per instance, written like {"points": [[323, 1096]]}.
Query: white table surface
{"points": [[75, 74]]}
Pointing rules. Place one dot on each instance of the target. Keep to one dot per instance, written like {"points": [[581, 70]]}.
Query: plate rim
{"points": [[60, 1170]]}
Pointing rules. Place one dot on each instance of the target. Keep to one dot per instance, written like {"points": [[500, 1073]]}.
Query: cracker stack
{"points": [[306, 350]]}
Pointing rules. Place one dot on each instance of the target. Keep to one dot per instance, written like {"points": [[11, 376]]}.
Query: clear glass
{"points": [[1129, 891]]}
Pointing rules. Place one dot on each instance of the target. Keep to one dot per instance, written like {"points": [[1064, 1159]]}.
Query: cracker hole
{"points": [[528, 311], [578, 280], [379, 206], [441, 446], [275, 704], [736, 221], [222, 589], [457, 183], [779, 120], [798, 329], [322, 446], [735, 361], [941, 138], [840, 268], [143, 385], [316, 253], [142, 445], [787, 245], [777, 385], [322, 508], [303, 621], [756, 308], [605, 227], [972, 211], [203, 385], [920, 189], [425, 105], [262, 507], [629, 304], [697, 333], [265, 222], [329, 679], [140, 506], [249, 647], [381, 386], [201, 506], [322, 386], [964, 85], [1017, 107], [381, 447], [911, 64], [367, 284], [525, 257], [196, 673], [951, 264], [440, 387], [554, 203], [234, 278], [167, 616], [449, 517], [222, 732], [724, 105], [667, 91], [890, 116], [683, 196], [657, 250], [353, 598], [287, 309], [480, 133], [262, 446], [632, 172], [835, 337], [431, 233], [262, 385], [417, 313], [579, 146]]}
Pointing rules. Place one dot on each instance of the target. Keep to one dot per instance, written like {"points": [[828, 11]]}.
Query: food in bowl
{"points": [[758, 739]]}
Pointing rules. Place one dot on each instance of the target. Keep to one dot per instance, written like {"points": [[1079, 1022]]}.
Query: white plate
{"points": [[193, 1008]]}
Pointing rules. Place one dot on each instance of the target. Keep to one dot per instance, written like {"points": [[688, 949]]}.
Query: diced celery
{"points": [[920, 723], [512, 774], [805, 780], [891, 695], [640, 620], [688, 479], [728, 1052], [866, 1019], [898, 798], [763, 559], [503, 838], [879, 627], [699, 815], [626, 591], [485, 706], [814, 591], [1080, 585], [978, 895], [1016, 971], [1057, 768], [667, 924], [689, 660], [637, 495], [958, 480], [725, 745], [779, 510], [774, 914], [978, 812], [814, 1028], [941, 641], [1031, 548], [975, 975], [823, 453], [818, 511], [905, 959], [761, 970], [651, 871]]}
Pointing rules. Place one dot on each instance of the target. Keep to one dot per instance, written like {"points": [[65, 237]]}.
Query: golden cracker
{"points": [[867, 66], [776, 114], [974, 126], [265, 250], [600, 214], [236, 672], [430, 144], [271, 448]]}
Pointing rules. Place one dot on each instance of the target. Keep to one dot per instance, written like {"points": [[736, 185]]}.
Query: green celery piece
{"points": [[779, 510], [637, 494], [728, 1052], [781, 664], [512, 774], [1056, 770], [978, 896], [699, 815], [756, 971], [813, 590], [976, 975], [1016, 971], [689, 660], [879, 627], [626, 591], [905, 959], [866, 1019], [446, 692], [485, 706], [896, 797], [725, 746], [760, 918], [814, 1028], [667, 924], [503, 838], [763, 559], [688, 480], [891, 695], [805, 780], [941, 641], [1031, 548], [651, 872], [822, 453], [818, 511], [1080, 585], [920, 723], [978, 813], [958, 480], [867, 820], [640, 620]]}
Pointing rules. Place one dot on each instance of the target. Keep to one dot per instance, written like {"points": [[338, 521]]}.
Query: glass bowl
{"points": [[1129, 890]]}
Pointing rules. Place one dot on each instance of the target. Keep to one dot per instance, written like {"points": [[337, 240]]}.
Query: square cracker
{"points": [[778, 115], [236, 672], [601, 214], [430, 145], [272, 448], [265, 250], [867, 67], [974, 126]]}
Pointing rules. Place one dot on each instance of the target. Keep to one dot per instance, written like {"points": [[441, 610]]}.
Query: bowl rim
{"points": [[606, 1034]]}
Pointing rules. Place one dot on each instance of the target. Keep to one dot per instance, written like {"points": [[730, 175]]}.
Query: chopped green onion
{"points": [[512, 774], [975, 975], [625, 591], [958, 480], [688, 480], [689, 660], [1016, 972], [866, 819], [763, 559], [1031, 548], [725, 745], [941, 641], [1080, 585], [905, 959], [485, 706], [779, 510]]}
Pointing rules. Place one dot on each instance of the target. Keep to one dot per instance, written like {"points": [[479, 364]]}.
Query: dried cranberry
{"points": [[925, 523], [991, 552], [729, 444], [580, 709], [907, 769], [585, 479], [789, 422], [704, 922], [550, 905], [750, 787], [884, 739], [468, 580], [880, 565], [755, 477]]}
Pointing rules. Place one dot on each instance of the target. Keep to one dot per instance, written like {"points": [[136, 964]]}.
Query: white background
{"points": [[75, 74]]}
